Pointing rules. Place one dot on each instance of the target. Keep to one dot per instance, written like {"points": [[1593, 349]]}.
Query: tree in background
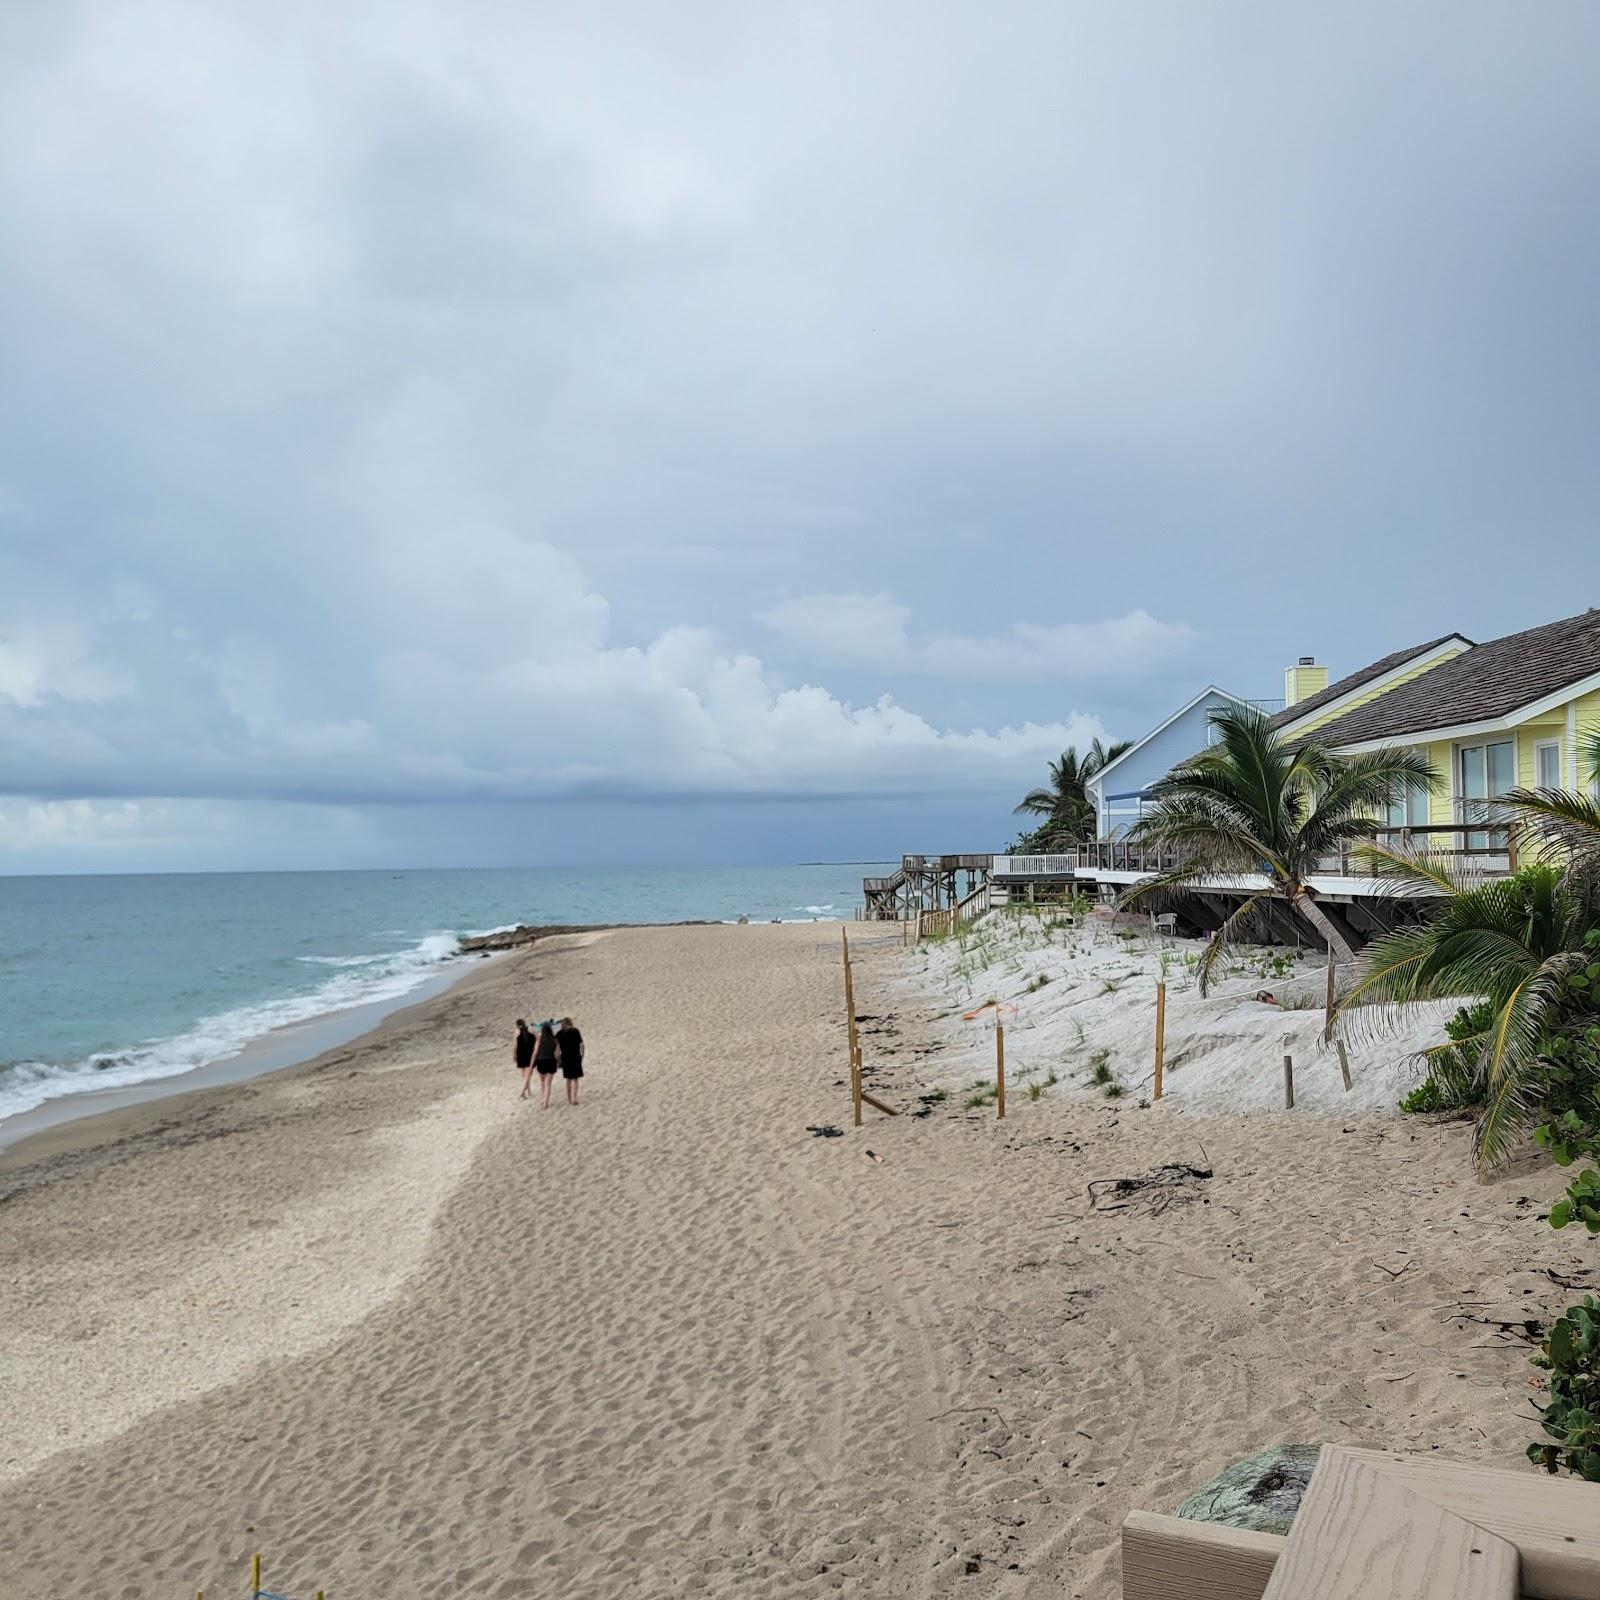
{"points": [[1065, 802]]}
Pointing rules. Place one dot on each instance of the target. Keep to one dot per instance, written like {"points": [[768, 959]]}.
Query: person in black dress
{"points": [[522, 1053], [570, 1044], [544, 1059]]}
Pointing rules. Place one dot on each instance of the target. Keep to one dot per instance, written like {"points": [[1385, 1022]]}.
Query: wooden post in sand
{"points": [[1288, 1082], [999, 1065], [1161, 1035], [255, 1574], [1344, 1064], [850, 1029]]}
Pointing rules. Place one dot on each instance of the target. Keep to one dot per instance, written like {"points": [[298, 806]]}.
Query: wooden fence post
{"points": [[1161, 1035], [850, 1031], [1327, 1019], [255, 1574], [1344, 1063], [1288, 1083], [1000, 1064]]}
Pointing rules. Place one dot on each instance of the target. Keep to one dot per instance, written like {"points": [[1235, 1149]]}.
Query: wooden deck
{"points": [[1380, 1524]]}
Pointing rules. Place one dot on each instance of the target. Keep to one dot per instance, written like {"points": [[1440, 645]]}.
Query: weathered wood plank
{"points": [[1361, 1534], [1172, 1558], [1552, 1525]]}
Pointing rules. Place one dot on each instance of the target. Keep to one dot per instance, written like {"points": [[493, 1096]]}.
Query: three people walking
{"points": [[554, 1045]]}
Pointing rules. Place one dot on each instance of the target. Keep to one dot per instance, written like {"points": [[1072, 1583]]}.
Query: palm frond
{"points": [[1406, 874], [1512, 1069]]}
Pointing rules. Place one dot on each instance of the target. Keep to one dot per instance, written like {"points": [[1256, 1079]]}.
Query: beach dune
{"points": [[408, 1335]]}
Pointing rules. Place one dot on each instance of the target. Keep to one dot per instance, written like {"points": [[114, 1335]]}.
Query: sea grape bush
{"points": [[1571, 1355]]}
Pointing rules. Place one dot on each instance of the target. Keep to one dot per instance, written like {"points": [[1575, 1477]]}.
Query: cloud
{"points": [[844, 627], [471, 665], [875, 629], [417, 402]]}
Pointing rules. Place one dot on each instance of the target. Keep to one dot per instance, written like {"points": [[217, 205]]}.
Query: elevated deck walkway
{"points": [[927, 887]]}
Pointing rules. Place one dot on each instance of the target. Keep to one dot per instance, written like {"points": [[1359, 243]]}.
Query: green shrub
{"points": [[1571, 1355], [1455, 1076]]}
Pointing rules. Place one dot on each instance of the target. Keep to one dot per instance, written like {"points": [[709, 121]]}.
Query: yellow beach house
{"points": [[1510, 713]]}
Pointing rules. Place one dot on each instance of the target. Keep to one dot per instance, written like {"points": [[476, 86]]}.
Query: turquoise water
{"points": [[107, 982]]}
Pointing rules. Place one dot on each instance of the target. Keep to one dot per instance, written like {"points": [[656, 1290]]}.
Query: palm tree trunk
{"points": [[1304, 902]]}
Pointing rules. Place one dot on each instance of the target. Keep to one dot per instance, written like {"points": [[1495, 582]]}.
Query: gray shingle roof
{"points": [[1488, 681], [1355, 680]]}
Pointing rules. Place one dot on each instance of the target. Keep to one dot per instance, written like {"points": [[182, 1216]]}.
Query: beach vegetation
{"points": [[1114, 1090], [1100, 1066], [1252, 803], [1527, 948], [1571, 1416]]}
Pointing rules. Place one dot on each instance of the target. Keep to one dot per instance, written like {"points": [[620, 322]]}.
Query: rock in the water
{"points": [[1262, 1492]]}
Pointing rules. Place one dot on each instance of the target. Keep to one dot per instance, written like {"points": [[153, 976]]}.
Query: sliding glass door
{"points": [[1483, 772]]}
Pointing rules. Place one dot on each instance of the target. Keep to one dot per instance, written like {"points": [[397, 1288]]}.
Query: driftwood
{"points": [[1174, 1183]]}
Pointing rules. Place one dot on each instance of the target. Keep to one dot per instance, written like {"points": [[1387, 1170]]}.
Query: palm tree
{"points": [[1511, 942], [1251, 804], [1066, 801], [1566, 822]]}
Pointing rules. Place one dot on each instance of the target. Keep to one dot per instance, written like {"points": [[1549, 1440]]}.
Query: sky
{"points": [[472, 433]]}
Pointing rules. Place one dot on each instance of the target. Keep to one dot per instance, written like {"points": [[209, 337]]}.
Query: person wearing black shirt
{"points": [[570, 1044], [544, 1058], [522, 1054]]}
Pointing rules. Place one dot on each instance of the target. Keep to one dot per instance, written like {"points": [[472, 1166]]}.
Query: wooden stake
{"points": [[1161, 1034], [1327, 1020], [1288, 1083], [255, 1572], [850, 1030], [1344, 1064], [878, 1105], [1000, 1066]]}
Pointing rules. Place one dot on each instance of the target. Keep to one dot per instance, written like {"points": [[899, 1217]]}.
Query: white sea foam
{"points": [[360, 980]]}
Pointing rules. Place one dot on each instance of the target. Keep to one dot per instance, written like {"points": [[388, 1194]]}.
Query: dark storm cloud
{"points": [[429, 407]]}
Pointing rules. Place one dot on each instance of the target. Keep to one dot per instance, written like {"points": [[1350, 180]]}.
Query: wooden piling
{"points": [[1327, 1010], [1161, 1035], [1288, 1083], [1000, 1065], [1344, 1064]]}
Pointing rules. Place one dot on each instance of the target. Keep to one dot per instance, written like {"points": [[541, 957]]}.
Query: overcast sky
{"points": [[466, 433]]}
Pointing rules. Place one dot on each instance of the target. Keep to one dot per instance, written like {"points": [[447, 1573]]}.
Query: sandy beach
{"points": [[409, 1336]]}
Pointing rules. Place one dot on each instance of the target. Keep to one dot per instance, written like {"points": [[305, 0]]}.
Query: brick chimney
{"points": [[1304, 679]]}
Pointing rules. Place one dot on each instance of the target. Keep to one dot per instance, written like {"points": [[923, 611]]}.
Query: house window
{"points": [[1408, 809], [1484, 771], [1547, 764]]}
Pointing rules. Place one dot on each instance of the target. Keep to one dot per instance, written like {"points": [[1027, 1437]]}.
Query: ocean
{"points": [[109, 982]]}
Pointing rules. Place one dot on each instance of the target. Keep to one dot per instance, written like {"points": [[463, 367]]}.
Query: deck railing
{"points": [[1060, 865], [1489, 851]]}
